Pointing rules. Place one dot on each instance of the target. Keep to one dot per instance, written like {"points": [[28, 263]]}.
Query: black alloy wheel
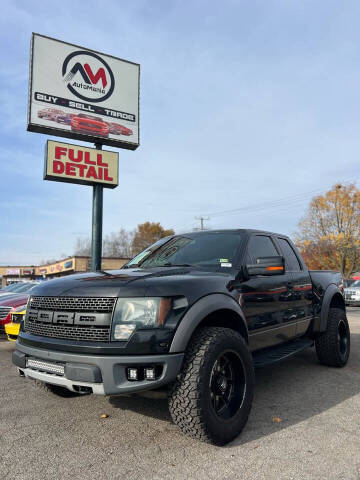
{"points": [[227, 384], [333, 345]]}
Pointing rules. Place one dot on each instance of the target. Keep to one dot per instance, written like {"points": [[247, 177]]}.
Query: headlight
{"points": [[138, 313], [17, 314]]}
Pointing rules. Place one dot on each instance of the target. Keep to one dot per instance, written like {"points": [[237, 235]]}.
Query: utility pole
{"points": [[202, 221]]}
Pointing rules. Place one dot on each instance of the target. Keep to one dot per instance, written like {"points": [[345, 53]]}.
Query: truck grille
{"points": [[4, 311], [35, 323], [75, 304], [71, 332]]}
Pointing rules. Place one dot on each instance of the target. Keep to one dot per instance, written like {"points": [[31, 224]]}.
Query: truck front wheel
{"points": [[333, 346], [212, 396]]}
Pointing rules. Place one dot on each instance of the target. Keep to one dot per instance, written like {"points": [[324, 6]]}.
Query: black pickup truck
{"points": [[194, 313]]}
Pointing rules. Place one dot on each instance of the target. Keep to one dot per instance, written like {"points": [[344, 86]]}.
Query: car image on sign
{"points": [[88, 124], [64, 118], [116, 129], [49, 113]]}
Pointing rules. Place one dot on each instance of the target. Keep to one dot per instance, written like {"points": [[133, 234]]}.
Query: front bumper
{"points": [[350, 302], [101, 374]]}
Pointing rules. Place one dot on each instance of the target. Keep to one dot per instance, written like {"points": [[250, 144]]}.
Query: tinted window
{"points": [[261, 246], [214, 249], [291, 261]]}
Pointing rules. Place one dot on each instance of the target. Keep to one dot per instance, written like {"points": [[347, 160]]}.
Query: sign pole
{"points": [[97, 222]]}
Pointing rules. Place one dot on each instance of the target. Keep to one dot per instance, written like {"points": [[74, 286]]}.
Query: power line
{"points": [[281, 204]]}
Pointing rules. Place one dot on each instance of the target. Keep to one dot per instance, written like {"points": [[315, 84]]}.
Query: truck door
{"points": [[266, 300], [301, 286]]}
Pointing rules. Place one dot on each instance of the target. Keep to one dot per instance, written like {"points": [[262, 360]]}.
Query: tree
{"points": [[148, 233], [83, 247], [329, 235], [118, 244]]}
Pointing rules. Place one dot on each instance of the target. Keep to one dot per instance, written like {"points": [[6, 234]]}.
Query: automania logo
{"points": [[88, 76]]}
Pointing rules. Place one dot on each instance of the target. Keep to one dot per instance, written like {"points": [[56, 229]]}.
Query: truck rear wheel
{"points": [[333, 346], [212, 396]]}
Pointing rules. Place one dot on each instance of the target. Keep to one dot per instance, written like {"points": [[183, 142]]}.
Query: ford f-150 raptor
{"points": [[195, 313]]}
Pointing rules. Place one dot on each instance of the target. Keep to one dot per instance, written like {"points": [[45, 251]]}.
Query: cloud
{"points": [[250, 102]]}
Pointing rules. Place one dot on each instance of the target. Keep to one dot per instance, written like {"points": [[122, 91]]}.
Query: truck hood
{"points": [[161, 281]]}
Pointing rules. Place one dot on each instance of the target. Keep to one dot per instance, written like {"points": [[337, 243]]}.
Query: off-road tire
{"points": [[54, 389], [191, 399], [333, 346]]}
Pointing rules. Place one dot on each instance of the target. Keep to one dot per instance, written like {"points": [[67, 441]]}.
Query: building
{"points": [[67, 266]]}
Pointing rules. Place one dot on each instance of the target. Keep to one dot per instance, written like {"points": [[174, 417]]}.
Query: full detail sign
{"points": [[82, 94], [77, 164]]}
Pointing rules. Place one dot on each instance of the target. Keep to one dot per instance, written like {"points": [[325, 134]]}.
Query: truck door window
{"points": [[261, 246], [291, 261]]}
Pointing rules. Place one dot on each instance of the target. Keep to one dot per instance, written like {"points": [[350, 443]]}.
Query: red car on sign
{"points": [[91, 125], [117, 129]]}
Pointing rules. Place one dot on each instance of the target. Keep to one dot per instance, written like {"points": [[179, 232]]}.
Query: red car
{"points": [[117, 129], [49, 113], [6, 306], [87, 124]]}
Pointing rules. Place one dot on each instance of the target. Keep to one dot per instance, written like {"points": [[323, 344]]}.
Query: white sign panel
{"points": [[79, 93]]}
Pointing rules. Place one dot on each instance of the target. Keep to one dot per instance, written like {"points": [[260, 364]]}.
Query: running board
{"points": [[280, 352]]}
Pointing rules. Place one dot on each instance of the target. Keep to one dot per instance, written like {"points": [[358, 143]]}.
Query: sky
{"points": [[248, 109]]}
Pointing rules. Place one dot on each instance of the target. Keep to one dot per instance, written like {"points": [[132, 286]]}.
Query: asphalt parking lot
{"points": [[304, 425]]}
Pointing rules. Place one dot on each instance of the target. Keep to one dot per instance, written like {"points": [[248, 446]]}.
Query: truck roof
{"points": [[242, 230]]}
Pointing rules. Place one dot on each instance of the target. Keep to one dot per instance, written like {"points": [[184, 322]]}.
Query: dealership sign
{"points": [[82, 94], [77, 164]]}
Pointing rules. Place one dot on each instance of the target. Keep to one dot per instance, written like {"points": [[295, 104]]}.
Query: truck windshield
{"points": [[207, 249]]}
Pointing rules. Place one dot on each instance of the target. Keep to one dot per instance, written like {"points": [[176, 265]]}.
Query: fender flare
{"points": [[325, 307], [196, 314]]}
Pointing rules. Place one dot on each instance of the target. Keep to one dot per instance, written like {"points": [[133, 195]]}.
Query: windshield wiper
{"points": [[169, 264]]}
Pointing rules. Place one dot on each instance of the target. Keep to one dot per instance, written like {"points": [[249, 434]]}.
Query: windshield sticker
{"points": [[225, 264], [223, 260]]}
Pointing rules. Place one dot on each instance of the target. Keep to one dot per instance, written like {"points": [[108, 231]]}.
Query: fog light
{"points": [[132, 374], [149, 373]]}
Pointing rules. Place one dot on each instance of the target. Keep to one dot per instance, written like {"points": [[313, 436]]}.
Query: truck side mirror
{"points": [[267, 266]]}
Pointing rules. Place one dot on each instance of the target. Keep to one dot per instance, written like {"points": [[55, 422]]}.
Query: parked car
{"points": [[9, 305], [182, 315], [9, 289], [16, 317], [27, 287], [116, 129], [21, 288], [49, 113], [88, 124], [352, 294]]}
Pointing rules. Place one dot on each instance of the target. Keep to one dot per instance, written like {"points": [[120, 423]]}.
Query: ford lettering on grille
{"points": [[84, 319]]}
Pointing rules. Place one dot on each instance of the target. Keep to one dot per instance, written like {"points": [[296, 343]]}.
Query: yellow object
{"points": [[12, 329]]}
